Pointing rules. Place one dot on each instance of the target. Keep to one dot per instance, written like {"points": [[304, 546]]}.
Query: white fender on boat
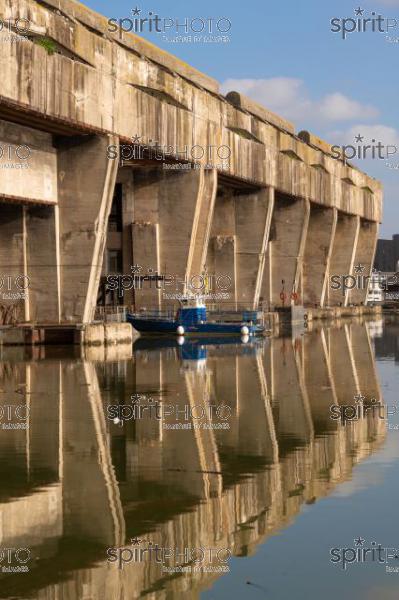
{"points": [[180, 330], [244, 330]]}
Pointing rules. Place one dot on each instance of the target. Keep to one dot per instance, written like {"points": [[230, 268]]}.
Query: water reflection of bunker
{"points": [[75, 483]]}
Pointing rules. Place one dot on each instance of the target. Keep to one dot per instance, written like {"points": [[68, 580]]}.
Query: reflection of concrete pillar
{"points": [[91, 496], [198, 391], [364, 361], [225, 376], [253, 213], [364, 258], [86, 180], [43, 263], [257, 433], [293, 416], [319, 382], [184, 448], [376, 414], [148, 367], [15, 388], [343, 255], [342, 365], [289, 230], [319, 241], [44, 413]]}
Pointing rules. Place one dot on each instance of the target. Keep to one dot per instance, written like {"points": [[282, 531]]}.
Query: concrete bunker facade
{"points": [[276, 213]]}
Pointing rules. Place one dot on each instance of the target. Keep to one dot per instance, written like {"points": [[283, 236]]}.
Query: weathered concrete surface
{"points": [[41, 232], [287, 243], [364, 258], [318, 250], [342, 256], [28, 163], [86, 182], [246, 217]]}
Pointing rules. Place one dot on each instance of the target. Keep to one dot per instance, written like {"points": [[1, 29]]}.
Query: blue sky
{"points": [[284, 55]]}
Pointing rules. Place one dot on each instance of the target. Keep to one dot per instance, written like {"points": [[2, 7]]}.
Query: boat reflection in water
{"points": [[105, 458]]}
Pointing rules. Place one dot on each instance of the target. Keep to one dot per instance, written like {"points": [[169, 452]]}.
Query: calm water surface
{"points": [[202, 470]]}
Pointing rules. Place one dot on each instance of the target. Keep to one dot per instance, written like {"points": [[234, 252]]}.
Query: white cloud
{"points": [[290, 98], [388, 2], [379, 133]]}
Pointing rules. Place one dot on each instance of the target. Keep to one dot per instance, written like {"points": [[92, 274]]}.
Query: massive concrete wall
{"points": [[271, 210]]}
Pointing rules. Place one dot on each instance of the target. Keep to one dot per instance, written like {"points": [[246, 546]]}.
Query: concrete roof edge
{"points": [[140, 45], [326, 148], [240, 101]]}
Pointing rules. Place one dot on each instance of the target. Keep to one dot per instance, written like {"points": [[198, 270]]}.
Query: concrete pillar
{"points": [[146, 251], [203, 225], [287, 243], [173, 215], [343, 255], [224, 264], [13, 307], [364, 260], [253, 214], [86, 180], [43, 264], [318, 249], [125, 178], [222, 247]]}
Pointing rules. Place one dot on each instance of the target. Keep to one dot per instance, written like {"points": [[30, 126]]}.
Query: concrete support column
{"points": [[13, 308], [287, 243], [253, 214], [146, 255], [224, 263], [343, 255], [86, 180], [318, 250], [42, 263], [222, 248], [173, 216], [364, 259]]}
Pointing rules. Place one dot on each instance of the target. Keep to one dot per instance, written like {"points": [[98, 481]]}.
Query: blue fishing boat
{"points": [[191, 319]]}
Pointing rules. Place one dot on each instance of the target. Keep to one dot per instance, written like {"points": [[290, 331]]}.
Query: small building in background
{"points": [[387, 255], [375, 293]]}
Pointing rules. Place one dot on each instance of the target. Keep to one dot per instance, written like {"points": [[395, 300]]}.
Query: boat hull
{"points": [[165, 327]]}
